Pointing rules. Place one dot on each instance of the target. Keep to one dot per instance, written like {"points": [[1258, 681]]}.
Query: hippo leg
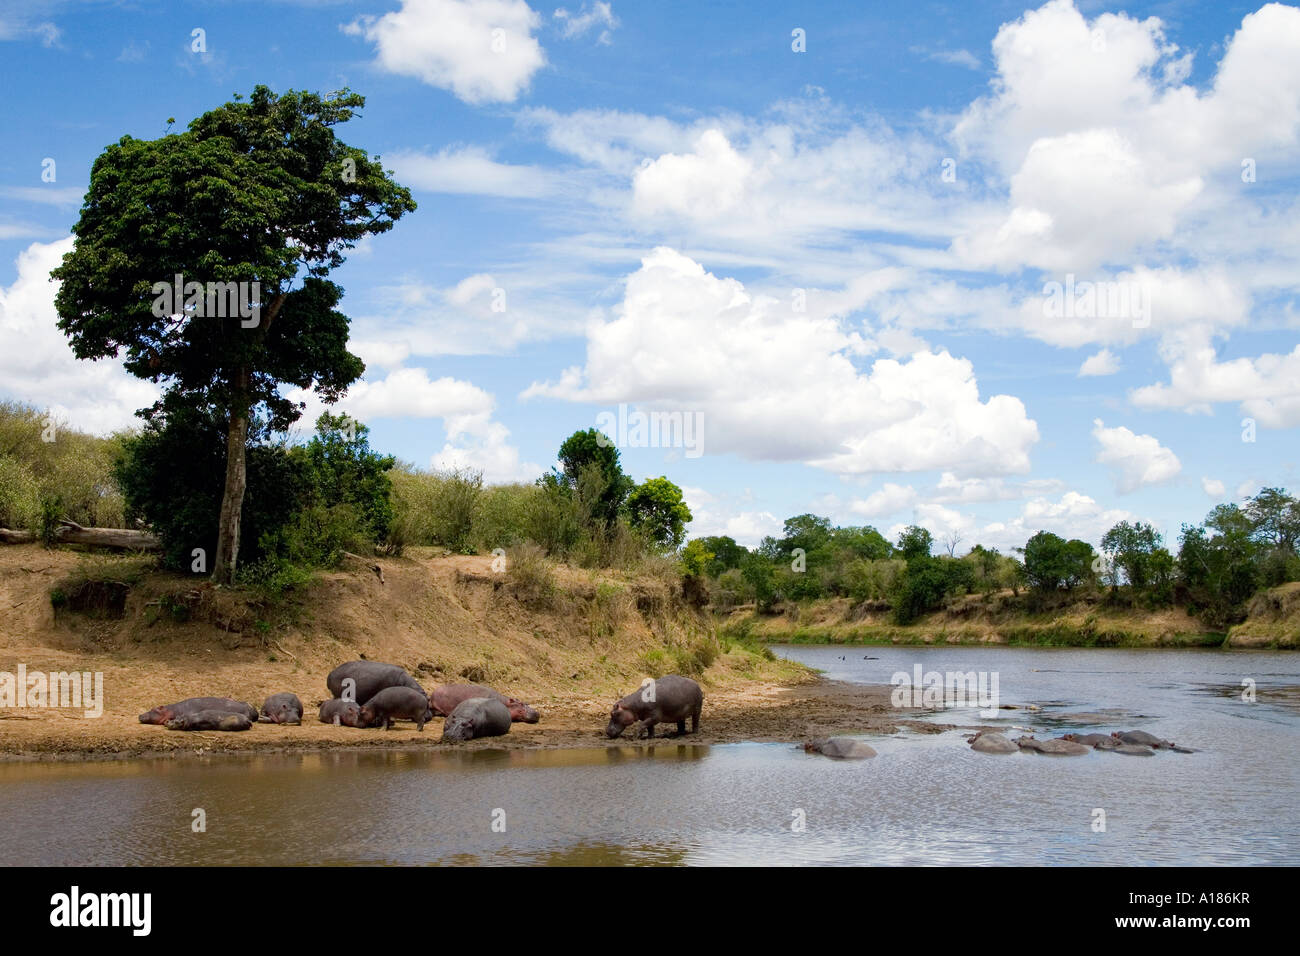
{"points": [[388, 723], [681, 728], [419, 723], [337, 722], [695, 722], [649, 727]]}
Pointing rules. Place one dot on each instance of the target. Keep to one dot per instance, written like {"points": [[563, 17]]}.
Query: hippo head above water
{"points": [[620, 718]]}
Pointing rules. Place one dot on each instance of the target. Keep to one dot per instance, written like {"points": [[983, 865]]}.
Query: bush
{"points": [[435, 508], [20, 496], [502, 516], [531, 575]]}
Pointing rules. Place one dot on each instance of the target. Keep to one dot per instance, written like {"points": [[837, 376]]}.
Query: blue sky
{"points": [[836, 258]]}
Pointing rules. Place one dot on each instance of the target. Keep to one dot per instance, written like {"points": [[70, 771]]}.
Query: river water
{"points": [[926, 799]]}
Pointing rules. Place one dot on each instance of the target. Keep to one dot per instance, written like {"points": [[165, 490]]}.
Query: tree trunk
{"points": [[73, 533], [232, 500]]}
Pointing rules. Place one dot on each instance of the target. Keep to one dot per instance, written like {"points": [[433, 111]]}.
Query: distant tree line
{"points": [[1219, 564]]}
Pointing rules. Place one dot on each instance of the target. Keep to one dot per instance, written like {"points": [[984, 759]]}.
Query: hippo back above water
{"points": [[369, 677], [474, 718], [445, 698], [842, 748], [193, 705], [670, 699]]}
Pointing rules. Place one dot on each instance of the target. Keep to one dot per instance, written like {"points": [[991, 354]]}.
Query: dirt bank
{"points": [[569, 647]]}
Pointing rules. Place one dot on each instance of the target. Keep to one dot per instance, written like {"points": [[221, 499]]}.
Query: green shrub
{"points": [[531, 575]]}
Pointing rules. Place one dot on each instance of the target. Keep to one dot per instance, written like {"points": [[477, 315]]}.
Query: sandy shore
{"points": [[755, 711]]}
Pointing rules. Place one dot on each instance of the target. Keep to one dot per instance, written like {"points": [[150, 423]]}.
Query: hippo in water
{"points": [[282, 709], [992, 742], [1055, 748], [842, 748], [1096, 741], [474, 718], [210, 720], [341, 713], [193, 705], [369, 677], [447, 697], [1142, 739], [396, 703], [670, 699]]}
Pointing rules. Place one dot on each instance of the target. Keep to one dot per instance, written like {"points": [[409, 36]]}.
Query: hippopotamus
{"points": [[344, 713], [670, 699], [1142, 738], [370, 677], [842, 748], [396, 703], [474, 718], [1056, 748], [1096, 741], [210, 720], [282, 709], [1134, 750], [992, 742], [447, 697], [193, 705]]}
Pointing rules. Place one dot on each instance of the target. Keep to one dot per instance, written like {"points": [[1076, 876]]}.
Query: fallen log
{"points": [[70, 532]]}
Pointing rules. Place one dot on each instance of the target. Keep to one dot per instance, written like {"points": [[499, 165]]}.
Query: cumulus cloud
{"points": [[1214, 488], [775, 384], [1266, 388], [1137, 460], [1104, 362], [37, 365], [483, 51], [886, 501]]}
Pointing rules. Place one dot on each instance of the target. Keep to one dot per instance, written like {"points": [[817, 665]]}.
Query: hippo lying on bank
{"points": [[369, 678], [841, 748], [193, 705], [447, 697], [341, 713], [992, 742], [670, 699], [282, 709], [1055, 748], [210, 720], [474, 718], [396, 703]]}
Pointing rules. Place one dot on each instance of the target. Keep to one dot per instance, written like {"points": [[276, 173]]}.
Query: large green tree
{"points": [[656, 508], [258, 192]]}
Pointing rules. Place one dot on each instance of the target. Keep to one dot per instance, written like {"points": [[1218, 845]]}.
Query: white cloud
{"points": [[1214, 488], [1137, 460], [774, 384], [888, 500], [702, 185], [599, 14], [483, 51], [1104, 362], [36, 362], [1266, 388], [471, 170]]}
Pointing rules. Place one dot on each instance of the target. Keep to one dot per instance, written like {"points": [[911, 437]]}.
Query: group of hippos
{"points": [[1133, 743], [372, 694]]}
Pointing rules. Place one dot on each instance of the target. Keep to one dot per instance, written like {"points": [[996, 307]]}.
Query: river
{"points": [[926, 799]]}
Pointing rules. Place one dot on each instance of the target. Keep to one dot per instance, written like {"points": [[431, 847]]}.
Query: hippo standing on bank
{"points": [[841, 748], [670, 699], [992, 742], [447, 697], [282, 709], [369, 677], [341, 713], [193, 705], [210, 720], [396, 703], [474, 718]]}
